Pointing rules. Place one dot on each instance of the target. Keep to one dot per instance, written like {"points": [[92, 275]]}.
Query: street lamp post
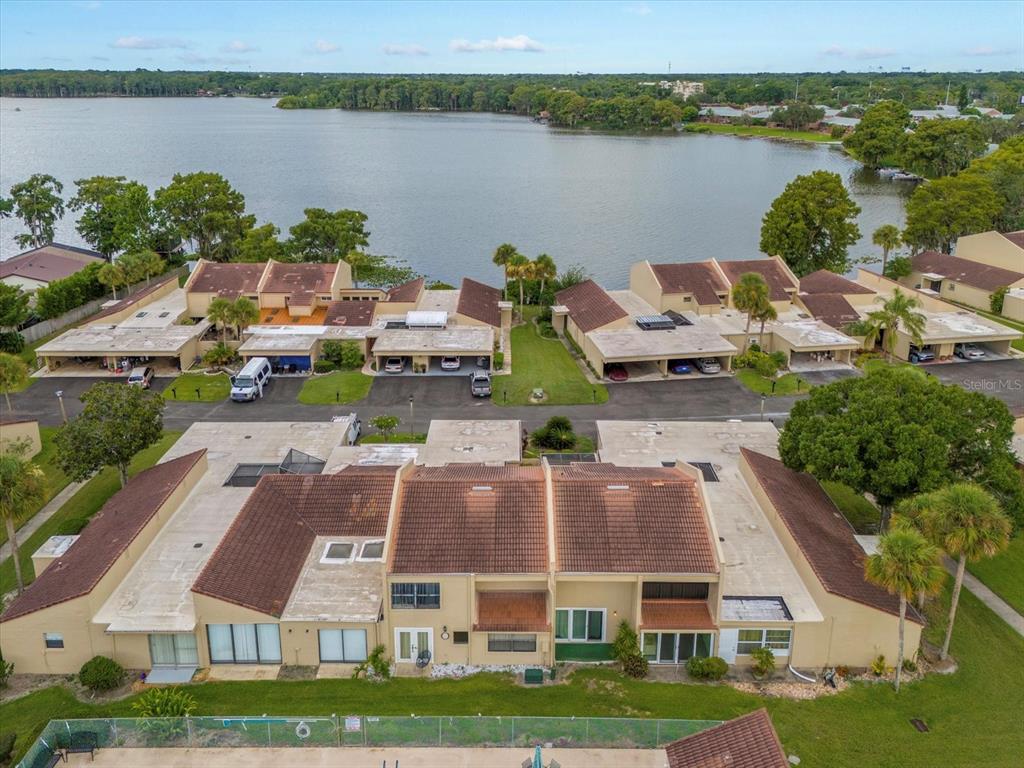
{"points": [[763, 398], [412, 417], [60, 399]]}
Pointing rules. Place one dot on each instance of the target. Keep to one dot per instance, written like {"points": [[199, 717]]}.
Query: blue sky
{"points": [[641, 36]]}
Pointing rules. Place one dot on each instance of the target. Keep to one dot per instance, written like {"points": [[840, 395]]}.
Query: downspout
{"points": [[789, 665]]}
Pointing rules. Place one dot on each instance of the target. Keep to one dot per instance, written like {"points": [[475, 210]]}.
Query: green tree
{"points": [[812, 224], [887, 237], [116, 214], [995, 301], [504, 254], [116, 423], [37, 202], [763, 313], [1004, 171], [141, 265], [13, 375], [261, 244], [6, 207], [218, 312], [894, 434], [877, 138], [112, 275], [344, 354], [22, 488], [13, 306], [942, 147], [385, 424], [137, 225], [544, 269], [520, 268], [904, 565], [963, 98], [944, 209], [797, 115], [750, 294], [897, 313], [898, 268], [358, 260], [327, 236], [967, 522], [207, 212], [242, 313]]}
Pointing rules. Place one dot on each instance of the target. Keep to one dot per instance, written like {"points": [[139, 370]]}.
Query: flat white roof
{"points": [[158, 313], [439, 301], [279, 342], [343, 592], [632, 304], [812, 334], [97, 340], [156, 595], [694, 340], [466, 340], [378, 454], [435, 319], [964, 324], [754, 562], [489, 441]]}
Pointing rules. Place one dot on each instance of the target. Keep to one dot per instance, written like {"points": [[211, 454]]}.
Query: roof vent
{"points": [[483, 488], [618, 487]]}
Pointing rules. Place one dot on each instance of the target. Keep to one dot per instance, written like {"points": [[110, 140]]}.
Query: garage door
{"points": [[301, 362]]}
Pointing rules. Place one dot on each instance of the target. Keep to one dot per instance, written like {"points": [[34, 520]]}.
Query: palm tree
{"points": [[521, 268], [763, 314], [111, 275], [544, 269], [864, 328], [887, 237], [242, 313], [13, 375], [966, 521], [896, 313], [143, 264], [219, 313], [906, 564], [749, 294], [22, 488], [502, 256]]}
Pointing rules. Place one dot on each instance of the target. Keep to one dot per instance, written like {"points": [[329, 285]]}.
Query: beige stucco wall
{"points": [[590, 351], [342, 279], [620, 598], [644, 284], [952, 290], [21, 432], [27, 284], [1013, 307], [991, 248]]}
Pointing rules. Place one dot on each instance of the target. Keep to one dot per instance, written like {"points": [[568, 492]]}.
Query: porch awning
{"points": [[500, 611], [675, 614]]}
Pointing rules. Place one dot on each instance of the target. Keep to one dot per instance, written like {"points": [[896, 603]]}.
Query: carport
{"points": [[811, 345], [173, 346], [292, 348], [424, 347], [944, 330], [633, 345]]}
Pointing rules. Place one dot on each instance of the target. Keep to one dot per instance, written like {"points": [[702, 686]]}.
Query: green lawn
{"points": [[973, 715], [763, 130], [211, 388], [397, 437], [54, 479], [73, 516], [862, 514], [583, 445], [544, 363], [880, 363], [337, 387], [789, 384], [1004, 574]]}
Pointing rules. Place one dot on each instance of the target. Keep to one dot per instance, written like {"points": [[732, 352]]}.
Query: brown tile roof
{"points": [[106, 537], [831, 308], [225, 279], [132, 298], [1017, 238], [480, 302], [261, 556], [284, 277], [779, 283], [589, 305], [824, 281], [49, 262], [611, 519], [700, 278], [355, 313], [511, 612], [964, 270], [675, 614], [749, 741], [301, 298], [471, 518], [821, 532], [406, 292]]}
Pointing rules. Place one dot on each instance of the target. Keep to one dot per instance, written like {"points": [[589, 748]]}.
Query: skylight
{"points": [[338, 552], [372, 550]]}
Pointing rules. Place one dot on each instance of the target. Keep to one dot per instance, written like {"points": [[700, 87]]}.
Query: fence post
{"points": [[270, 741], [337, 727], [440, 720], [588, 732], [191, 736], [513, 733], [114, 729], [657, 733]]}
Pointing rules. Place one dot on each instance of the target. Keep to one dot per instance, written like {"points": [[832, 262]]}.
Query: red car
{"points": [[617, 372]]}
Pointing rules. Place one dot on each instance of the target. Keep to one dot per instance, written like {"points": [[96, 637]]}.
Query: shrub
{"points": [[377, 665], [11, 342], [557, 434], [220, 354], [7, 747], [101, 674], [440, 285], [710, 668], [909, 665], [878, 665], [385, 424], [323, 366], [344, 354], [766, 365], [6, 670], [764, 661], [838, 132], [626, 646], [897, 267], [544, 315], [499, 360], [635, 665], [995, 301], [559, 422], [545, 329], [67, 293], [169, 707]]}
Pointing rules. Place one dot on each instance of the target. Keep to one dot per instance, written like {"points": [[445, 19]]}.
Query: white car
{"points": [[141, 377], [451, 363], [968, 351], [394, 365]]}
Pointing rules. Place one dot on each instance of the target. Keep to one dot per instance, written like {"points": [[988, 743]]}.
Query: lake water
{"points": [[442, 190]]}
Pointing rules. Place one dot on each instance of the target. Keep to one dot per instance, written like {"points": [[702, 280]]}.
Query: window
{"points": [[460, 638], [707, 469], [53, 639], [338, 552], [505, 643], [342, 645], [372, 550], [177, 650], [244, 643], [676, 647], [416, 595], [752, 639], [675, 590], [952, 287], [580, 624]]}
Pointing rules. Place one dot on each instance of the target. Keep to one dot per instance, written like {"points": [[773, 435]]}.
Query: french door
{"points": [[173, 650], [411, 642]]}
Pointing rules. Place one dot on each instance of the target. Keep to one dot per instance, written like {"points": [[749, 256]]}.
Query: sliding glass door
{"points": [[244, 643], [177, 650], [676, 647]]}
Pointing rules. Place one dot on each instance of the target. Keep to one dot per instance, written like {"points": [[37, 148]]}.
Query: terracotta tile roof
{"points": [[779, 283], [356, 313], [589, 305], [831, 308], [301, 298], [106, 537], [1017, 238], [406, 292], [261, 556], [824, 281], [964, 270], [49, 262], [284, 277], [700, 278], [471, 518], [749, 741], [224, 279], [480, 302], [611, 519], [675, 614], [821, 532], [132, 298], [511, 612]]}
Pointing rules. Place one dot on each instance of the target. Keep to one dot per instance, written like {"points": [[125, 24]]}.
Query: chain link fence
{"points": [[359, 731]]}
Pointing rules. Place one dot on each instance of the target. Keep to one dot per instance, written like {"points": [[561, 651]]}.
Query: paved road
{"points": [[1000, 607], [1003, 379]]}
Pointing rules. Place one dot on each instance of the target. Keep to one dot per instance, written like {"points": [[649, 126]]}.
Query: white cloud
{"points": [[858, 53], [405, 50], [238, 46], [987, 50], [148, 43], [520, 43], [195, 58], [638, 9], [322, 46]]}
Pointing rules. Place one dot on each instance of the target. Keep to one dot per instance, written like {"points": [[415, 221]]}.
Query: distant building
{"points": [[39, 267], [684, 88]]}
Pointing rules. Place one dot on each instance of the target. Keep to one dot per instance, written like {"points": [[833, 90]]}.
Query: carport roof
{"points": [[964, 326], [812, 334], [280, 342], [466, 340], [93, 341], [682, 341]]}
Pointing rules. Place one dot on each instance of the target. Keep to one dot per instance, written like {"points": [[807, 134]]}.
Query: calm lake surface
{"points": [[441, 190]]}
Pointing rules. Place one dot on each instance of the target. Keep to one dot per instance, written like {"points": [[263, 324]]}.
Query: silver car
{"points": [[708, 365], [394, 365]]}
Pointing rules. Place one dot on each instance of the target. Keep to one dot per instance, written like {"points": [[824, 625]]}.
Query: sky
{"points": [[514, 37]]}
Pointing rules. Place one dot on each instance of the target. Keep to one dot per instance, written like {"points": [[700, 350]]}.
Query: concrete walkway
{"points": [[989, 598], [40, 517]]}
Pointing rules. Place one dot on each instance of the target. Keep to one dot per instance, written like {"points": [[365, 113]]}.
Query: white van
{"points": [[248, 384]]}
